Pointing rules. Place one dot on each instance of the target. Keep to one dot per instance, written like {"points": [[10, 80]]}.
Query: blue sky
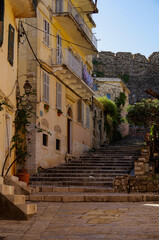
{"points": [[128, 26]]}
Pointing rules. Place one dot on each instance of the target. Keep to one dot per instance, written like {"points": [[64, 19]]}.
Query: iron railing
{"points": [[66, 6], [73, 61]]}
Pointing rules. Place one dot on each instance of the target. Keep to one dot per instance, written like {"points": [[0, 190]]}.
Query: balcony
{"points": [[69, 68], [24, 8], [88, 6], [72, 20]]}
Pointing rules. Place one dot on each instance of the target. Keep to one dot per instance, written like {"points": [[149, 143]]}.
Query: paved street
{"points": [[87, 221]]}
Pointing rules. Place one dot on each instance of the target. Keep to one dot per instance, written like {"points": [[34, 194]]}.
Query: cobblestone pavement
{"points": [[87, 221]]}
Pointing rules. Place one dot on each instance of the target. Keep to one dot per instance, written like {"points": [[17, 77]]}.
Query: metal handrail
{"points": [[69, 59]]}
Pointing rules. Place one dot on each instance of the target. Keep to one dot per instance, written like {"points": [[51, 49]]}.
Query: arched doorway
{"points": [[69, 130]]}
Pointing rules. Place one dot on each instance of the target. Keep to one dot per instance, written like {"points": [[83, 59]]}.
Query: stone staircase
{"points": [[13, 206], [90, 175]]}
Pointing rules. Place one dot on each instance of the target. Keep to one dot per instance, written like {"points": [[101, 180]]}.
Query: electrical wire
{"points": [[55, 36], [49, 72], [116, 57]]}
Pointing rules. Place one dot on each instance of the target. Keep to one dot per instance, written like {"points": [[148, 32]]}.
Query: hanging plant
{"points": [[46, 107], [59, 112]]}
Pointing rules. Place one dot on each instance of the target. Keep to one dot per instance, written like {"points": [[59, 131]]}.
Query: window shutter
{"points": [[87, 117], [1, 21], [11, 45], [59, 96], [79, 110], [82, 113], [45, 87], [46, 32]]}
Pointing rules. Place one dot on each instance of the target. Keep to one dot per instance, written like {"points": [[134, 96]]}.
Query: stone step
{"points": [[28, 209], [46, 188], [92, 163], [74, 183], [85, 171], [6, 190], [61, 179], [107, 164], [93, 197], [107, 174], [1, 180], [16, 199]]}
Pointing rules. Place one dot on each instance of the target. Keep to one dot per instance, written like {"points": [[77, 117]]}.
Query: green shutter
{"points": [[11, 45], [1, 21]]}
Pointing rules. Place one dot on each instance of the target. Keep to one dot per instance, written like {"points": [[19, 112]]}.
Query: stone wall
{"points": [[138, 72], [145, 179], [129, 184]]}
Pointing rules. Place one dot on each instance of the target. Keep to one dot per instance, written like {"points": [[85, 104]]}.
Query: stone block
{"points": [[6, 190], [28, 209], [151, 187], [52, 198], [47, 189], [152, 197], [143, 188], [72, 198], [76, 189], [60, 189], [16, 199], [36, 198], [135, 198]]}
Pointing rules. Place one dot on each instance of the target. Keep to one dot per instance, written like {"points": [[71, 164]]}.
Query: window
{"points": [[95, 87], [45, 87], [45, 140], [1, 21], [59, 49], [87, 117], [58, 143], [59, 96], [80, 111], [108, 96], [46, 32], [11, 45]]}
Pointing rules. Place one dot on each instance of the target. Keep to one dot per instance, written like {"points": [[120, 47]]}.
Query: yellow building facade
{"points": [[61, 38], [9, 12]]}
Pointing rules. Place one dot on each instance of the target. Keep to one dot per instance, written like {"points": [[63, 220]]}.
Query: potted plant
{"points": [[59, 112], [46, 107]]}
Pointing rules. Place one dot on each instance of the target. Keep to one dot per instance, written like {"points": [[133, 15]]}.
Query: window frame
{"points": [[80, 111], [46, 36], [46, 140]]}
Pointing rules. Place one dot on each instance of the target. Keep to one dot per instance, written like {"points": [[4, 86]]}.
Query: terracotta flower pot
{"points": [[23, 176]]}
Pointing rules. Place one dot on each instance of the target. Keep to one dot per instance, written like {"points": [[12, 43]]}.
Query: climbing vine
{"points": [[113, 116], [22, 121]]}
